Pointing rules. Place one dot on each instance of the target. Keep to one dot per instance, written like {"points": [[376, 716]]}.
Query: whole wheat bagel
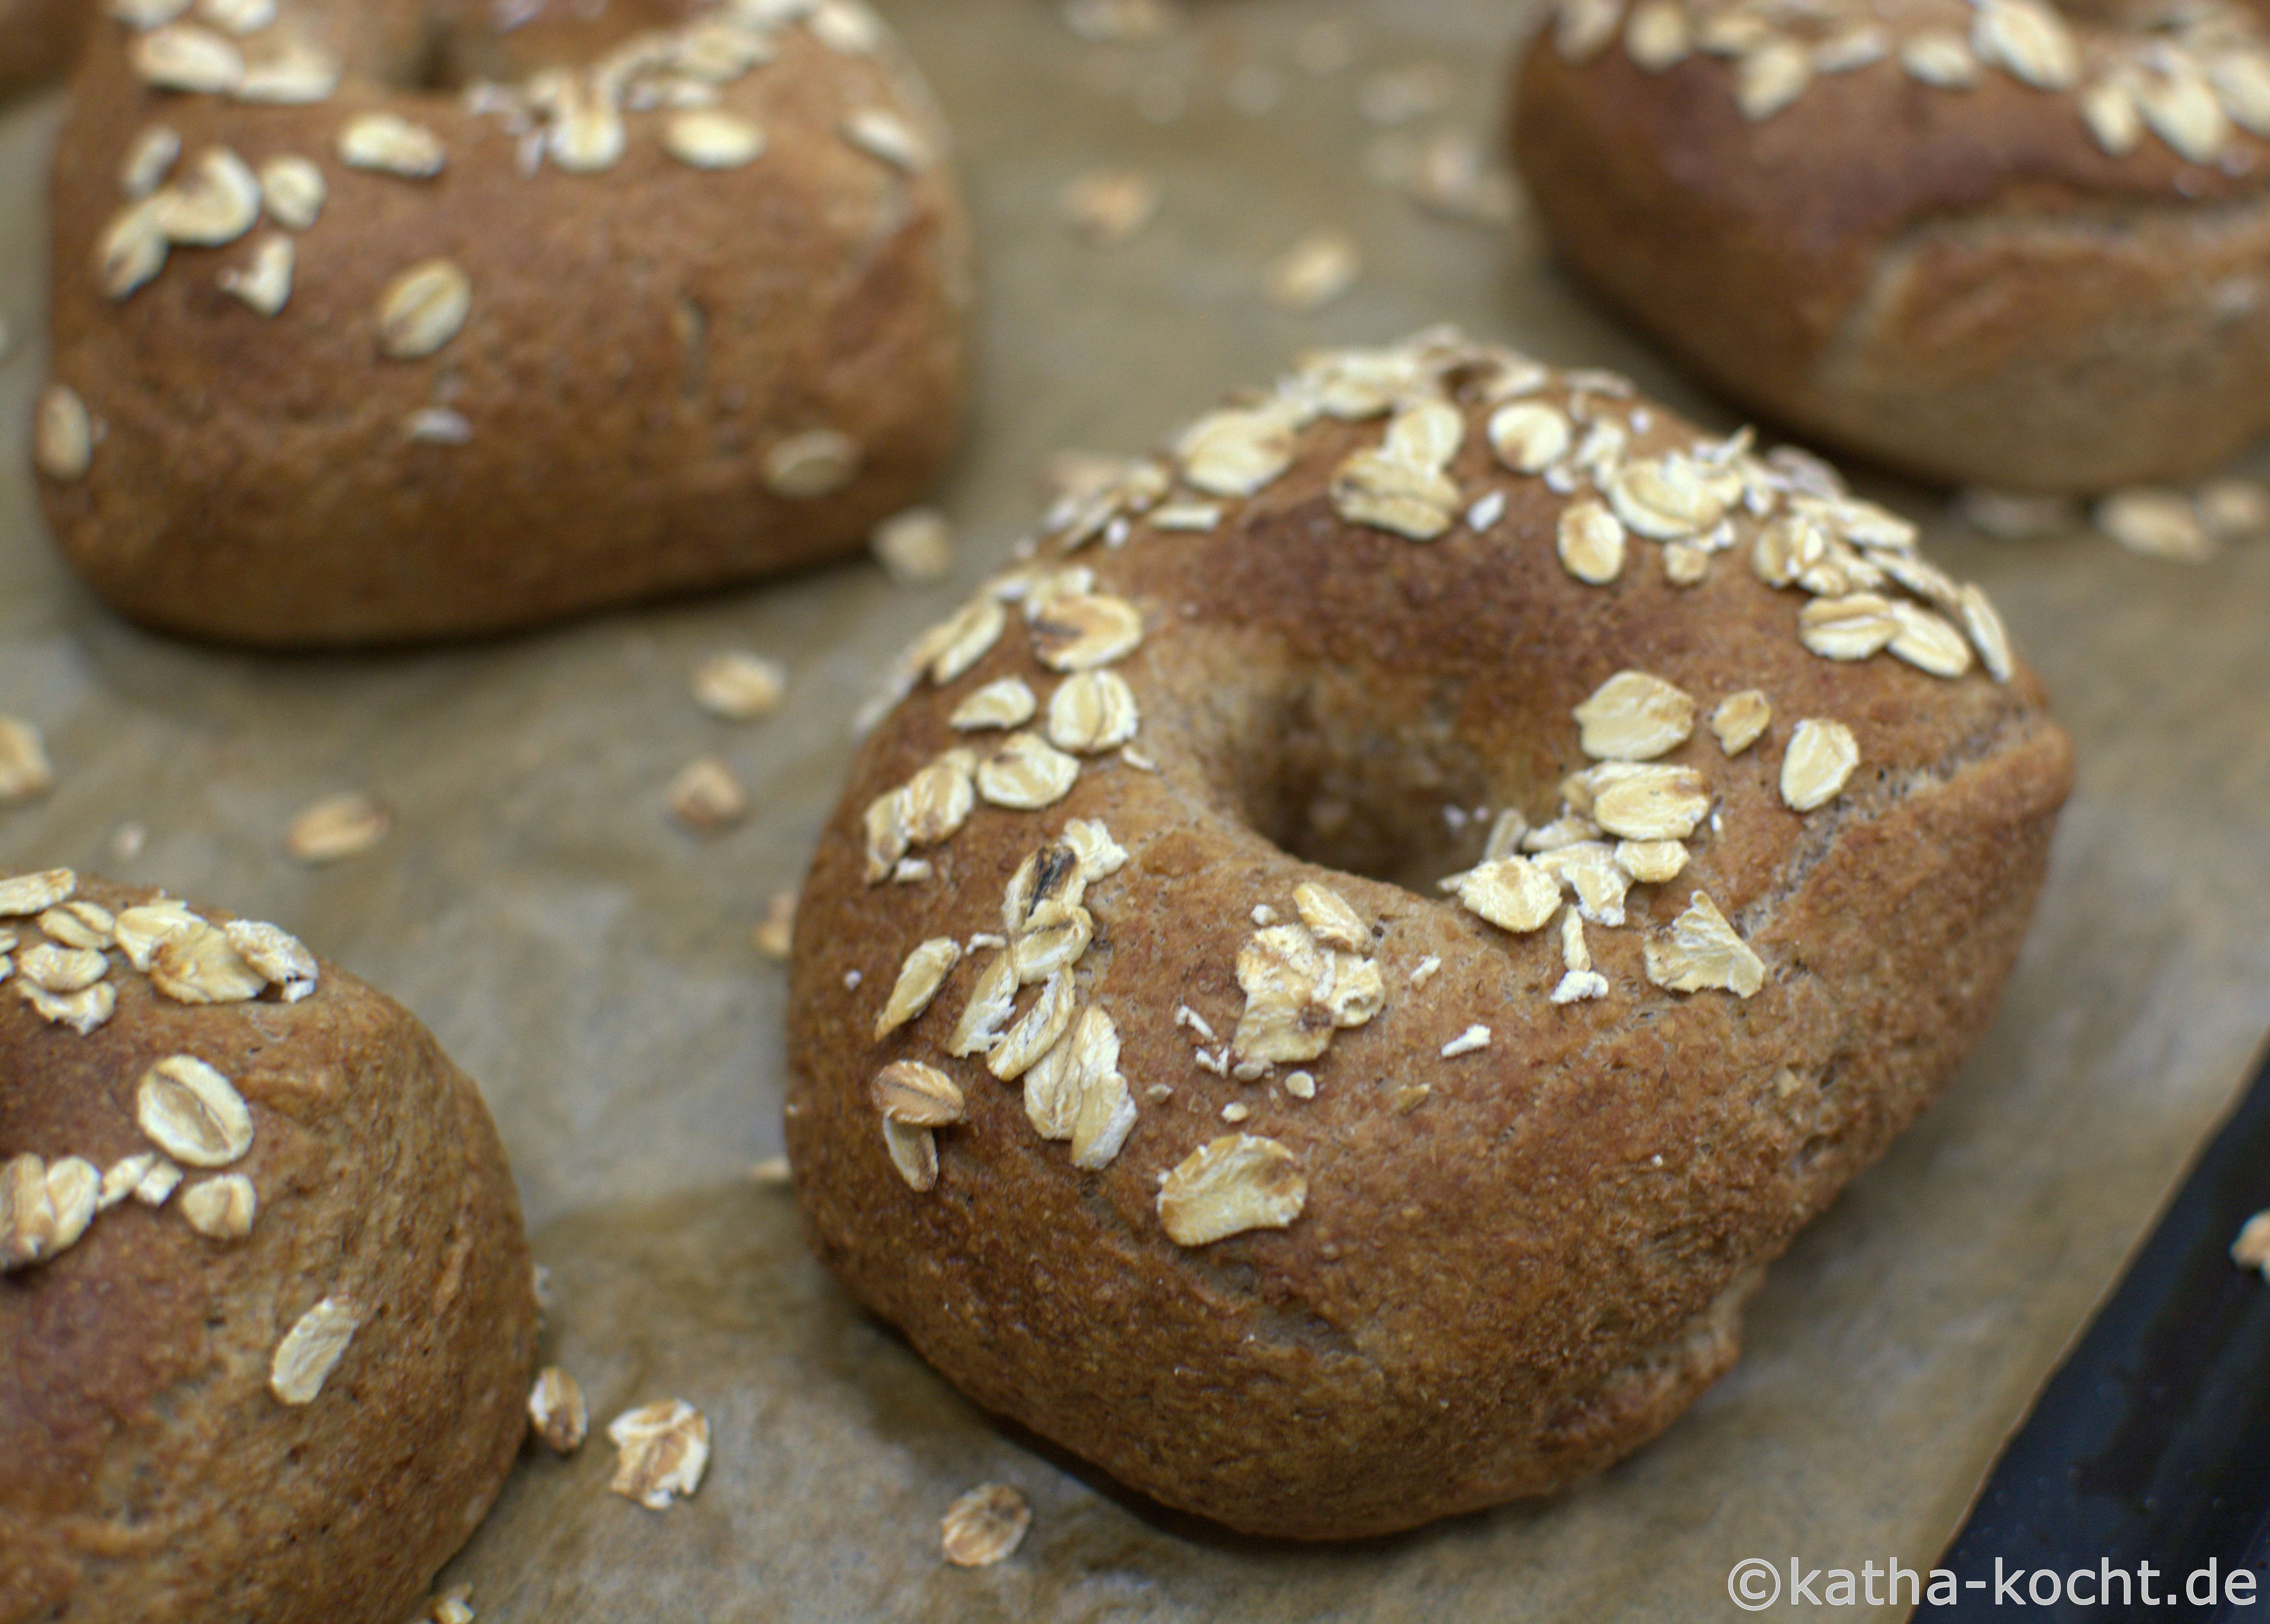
{"points": [[1143, 1073], [37, 39], [267, 1306], [2000, 243], [375, 319]]}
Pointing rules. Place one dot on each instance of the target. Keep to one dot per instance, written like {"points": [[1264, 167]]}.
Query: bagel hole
{"points": [[1333, 776]]}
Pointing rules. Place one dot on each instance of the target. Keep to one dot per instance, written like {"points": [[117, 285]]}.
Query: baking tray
{"points": [[590, 961]]}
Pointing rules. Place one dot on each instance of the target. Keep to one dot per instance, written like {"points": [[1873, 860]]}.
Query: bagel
{"points": [[269, 1312], [1148, 1072], [385, 321], [1997, 244], [38, 39]]}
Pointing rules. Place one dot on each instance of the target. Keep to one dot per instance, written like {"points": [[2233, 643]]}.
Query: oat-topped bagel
{"points": [[1145, 1075], [377, 319], [267, 1306], [2000, 243], [37, 38]]}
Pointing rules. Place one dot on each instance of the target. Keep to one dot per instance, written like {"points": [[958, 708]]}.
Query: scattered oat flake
{"points": [[773, 934], [1633, 716], [1330, 917], [193, 1113], [556, 1411], [952, 647], [141, 930], [27, 1213], [2251, 1249], [312, 1349], [1467, 1042], [1651, 862], [1027, 773], [1237, 452], [423, 309], [266, 283], [706, 138], [1984, 624], [707, 797], [2156, 524], [1079, 631], [1092, 711], [806, 467], [2008, 515], [1511, 892], [24, 769], [1702, 951], [772, 1170], [1313, 271], [1591, 542], [2029, 39], [984, 1526], [63, 435], [1770, 77], [912, 1151], [391, 144], [1236, 1182], [152, 155], [275, 953], [221, 1209], [1849, 627], [740, 687], [75, 924], [2236, 510], [918, 1095], [915, 545], [920, 977], [437, 425], [1740, 719], [1819, 758], [1529, 436], [887, 136], [1005, 702], [182, 57], [1109, 205], [1648, 801], [662, 1450], [198, 964]]}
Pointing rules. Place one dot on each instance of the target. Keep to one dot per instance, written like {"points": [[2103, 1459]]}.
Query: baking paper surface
{"points": [[590, 961]]}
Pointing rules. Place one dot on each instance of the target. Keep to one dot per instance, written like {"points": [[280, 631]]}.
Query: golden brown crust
{"points": [[152, 1473], [641, 340], [1513, 1264], [38, 39], [1959, 282]]}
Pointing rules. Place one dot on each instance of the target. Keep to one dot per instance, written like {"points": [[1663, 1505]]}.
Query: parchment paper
{"points": [[590, 961]]}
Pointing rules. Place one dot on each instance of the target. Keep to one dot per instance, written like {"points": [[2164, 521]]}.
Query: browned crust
{"points": [[1505, 1287], [1958, 283], [152, 1475], [38, 40], [639, 340]]}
